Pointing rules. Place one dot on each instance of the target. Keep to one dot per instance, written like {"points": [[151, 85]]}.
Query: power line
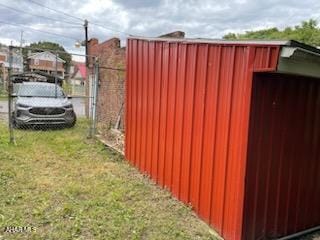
{"points": [[32, 29], [52, 50], [35, 15], [110, 29], [80, 19], [55, 10]]}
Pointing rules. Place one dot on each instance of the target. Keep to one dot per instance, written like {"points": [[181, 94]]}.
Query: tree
{"points": [[230, 36], [307, 32], [50, 46]]}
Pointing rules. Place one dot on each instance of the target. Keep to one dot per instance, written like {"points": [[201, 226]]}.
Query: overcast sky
{"points": [[203, 18]]}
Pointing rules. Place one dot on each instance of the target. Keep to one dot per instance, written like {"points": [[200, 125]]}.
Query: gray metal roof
{"points": [[214, 41]]}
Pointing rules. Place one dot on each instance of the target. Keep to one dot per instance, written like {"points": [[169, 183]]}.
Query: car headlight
{"points": [[68, 106], [22, 105]]}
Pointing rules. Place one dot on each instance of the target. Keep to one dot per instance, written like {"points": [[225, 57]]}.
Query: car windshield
{"points": [[38, 90]]}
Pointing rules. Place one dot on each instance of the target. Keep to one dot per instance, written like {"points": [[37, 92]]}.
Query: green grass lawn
{"points": [[69, 187]]}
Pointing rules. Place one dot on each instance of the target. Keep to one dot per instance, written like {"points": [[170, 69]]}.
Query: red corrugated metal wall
{"points": [[283, 181], [187, 121]]}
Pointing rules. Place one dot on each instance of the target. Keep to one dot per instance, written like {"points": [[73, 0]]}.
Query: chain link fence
{"points": [[41, 92], [111, 106]]}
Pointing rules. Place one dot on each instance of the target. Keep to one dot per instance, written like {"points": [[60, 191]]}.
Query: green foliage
{"points": [[307, 32], [51, 46], [230, 36]]}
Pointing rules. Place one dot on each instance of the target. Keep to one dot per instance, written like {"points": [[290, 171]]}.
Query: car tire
{"points": [[71, 125]]}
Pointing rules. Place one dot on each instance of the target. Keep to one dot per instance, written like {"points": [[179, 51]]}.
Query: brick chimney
{"points": [[93, 41], [175, 34]]}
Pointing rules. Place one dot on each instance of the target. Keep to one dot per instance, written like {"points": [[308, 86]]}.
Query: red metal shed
{"points": [[232, 128]]}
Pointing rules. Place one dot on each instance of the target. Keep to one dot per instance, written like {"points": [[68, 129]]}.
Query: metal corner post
{"points": [[56, 75], [94, 98], [10, 90], [95, 102]]}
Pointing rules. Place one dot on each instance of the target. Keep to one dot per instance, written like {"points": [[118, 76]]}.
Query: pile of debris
{"points": [[112, 138]]}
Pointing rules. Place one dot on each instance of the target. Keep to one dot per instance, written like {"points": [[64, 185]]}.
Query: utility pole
{"points": [[87, 85], [86, 40], [21, 40]]}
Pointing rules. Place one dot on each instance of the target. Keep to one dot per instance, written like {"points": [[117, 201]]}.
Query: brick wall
{"points": [[111, 82], [111, 92]]}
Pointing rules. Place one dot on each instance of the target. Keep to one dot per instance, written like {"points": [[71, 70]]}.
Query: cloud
{"points": [[9, 41], [206, 18], [96, 7]]}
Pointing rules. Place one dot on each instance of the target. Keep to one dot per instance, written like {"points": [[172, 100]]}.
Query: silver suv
{"points": [[42, 104]]}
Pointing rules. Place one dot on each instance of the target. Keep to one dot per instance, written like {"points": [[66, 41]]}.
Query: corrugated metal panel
{"points": [[266, 58], [187, 121], [283, 184]]}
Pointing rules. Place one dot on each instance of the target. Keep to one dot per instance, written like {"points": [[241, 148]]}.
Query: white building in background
{"points": [[46, 62]]}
